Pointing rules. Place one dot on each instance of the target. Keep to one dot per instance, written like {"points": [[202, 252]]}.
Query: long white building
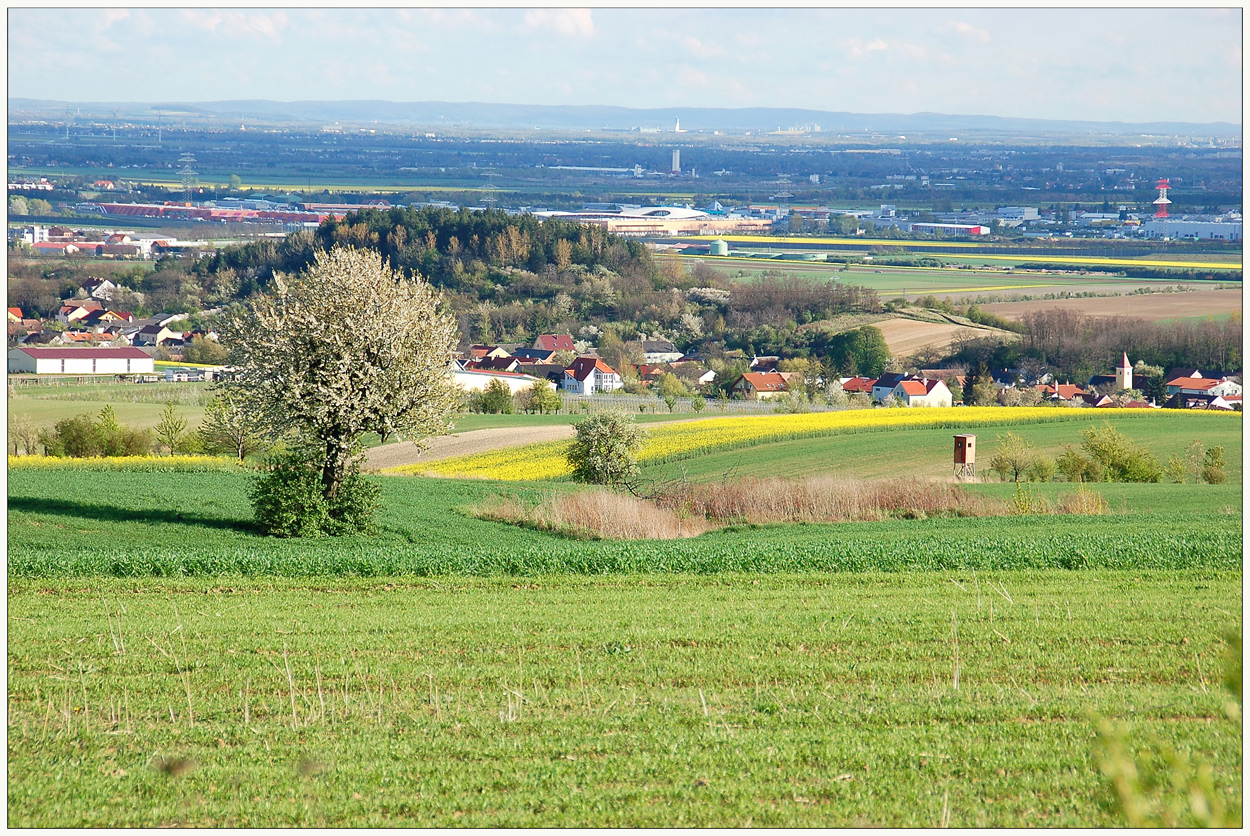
{"points": [[40, 360]]}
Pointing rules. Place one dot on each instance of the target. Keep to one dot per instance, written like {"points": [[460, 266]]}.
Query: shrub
{"points": [[496, 398], [1121, 461], [80, 437], [1176, 469], [288, 500], [1041, 469], [1014, 456], [697, 405], [1213, 466], [605, 451]]}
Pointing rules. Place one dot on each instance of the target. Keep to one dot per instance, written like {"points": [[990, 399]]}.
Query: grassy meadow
{"points": [[169, 666], [809, 700]]}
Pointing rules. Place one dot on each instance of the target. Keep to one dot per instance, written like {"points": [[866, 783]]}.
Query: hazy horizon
{"points": [[1102, 65]]}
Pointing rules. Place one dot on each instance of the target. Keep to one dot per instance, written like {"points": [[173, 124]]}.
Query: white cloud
{"points": [[699, 49], [237, 23], [857, 48], [969, 31], [572, 23], [690, 77]]}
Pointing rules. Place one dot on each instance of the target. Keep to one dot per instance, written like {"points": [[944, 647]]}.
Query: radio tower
{"points": [[1162, 200]]}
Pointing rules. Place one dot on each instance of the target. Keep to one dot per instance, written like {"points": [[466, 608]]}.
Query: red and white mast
{"points": [[1162, 201]]}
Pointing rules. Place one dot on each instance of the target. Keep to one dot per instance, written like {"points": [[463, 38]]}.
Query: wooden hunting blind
{"points": [[965, 455]]}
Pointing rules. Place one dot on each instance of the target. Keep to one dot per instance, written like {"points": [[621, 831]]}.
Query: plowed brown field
{"points": [[1151, 306]]}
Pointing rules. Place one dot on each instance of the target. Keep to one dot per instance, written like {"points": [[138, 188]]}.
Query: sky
{"points": [[1104, 64]]}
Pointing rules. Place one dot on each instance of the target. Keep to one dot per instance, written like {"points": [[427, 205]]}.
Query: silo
{"points": [[719, 247]]}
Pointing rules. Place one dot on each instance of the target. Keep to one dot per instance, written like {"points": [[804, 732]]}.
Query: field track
{"points": [[1149, 306], [463, 444]]}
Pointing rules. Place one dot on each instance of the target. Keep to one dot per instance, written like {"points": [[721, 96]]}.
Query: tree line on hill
{"points": [[508, 278]]}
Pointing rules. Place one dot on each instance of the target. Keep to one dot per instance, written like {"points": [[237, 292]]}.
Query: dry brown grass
{"points": [[1084, 501], [688, 510], [598, 514], [825, 499]]}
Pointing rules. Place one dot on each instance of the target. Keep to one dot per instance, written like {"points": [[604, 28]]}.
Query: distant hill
{"points": [[471, 115]]}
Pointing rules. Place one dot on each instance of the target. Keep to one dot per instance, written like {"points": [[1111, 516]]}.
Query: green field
{"points": [[927, 453], [808, 700], [170, 666]]}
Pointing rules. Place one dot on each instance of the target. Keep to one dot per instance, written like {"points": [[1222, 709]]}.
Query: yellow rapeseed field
{"points": [[681, 440], [122, 463]]}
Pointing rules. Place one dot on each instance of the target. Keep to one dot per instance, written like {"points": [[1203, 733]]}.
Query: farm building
{"points": [[472, 380], [32, 360]]}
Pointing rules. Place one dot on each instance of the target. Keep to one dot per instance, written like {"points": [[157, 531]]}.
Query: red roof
{"points": [[1066, 391], [858, 384], [98, 353], [555, 342], [1199, 383], [914, 387], [765, 381], [17, 312], [583, 367]]}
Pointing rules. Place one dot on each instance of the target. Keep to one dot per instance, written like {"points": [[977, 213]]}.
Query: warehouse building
{"points": [[80, 361]]}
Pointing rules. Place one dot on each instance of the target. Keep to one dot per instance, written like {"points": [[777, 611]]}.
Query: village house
{"points": [[759, 386], [923, 392], [589, 375], [554, 342], [1062, 393], [660, 351]]}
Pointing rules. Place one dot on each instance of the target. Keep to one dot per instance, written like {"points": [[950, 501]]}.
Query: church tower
{"points": [[1124, 375]]}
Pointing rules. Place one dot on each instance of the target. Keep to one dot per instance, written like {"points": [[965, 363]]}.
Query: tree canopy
{"points": [[347, 347]]}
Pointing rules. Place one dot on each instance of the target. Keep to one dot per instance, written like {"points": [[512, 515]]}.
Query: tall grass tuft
{"points": [[598, 514]]}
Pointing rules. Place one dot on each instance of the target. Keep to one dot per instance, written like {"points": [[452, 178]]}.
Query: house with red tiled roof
{"points": [[75, 311], [854, 385], [588, 375], [1203, 386], [1061, 392], [759, 386], [15, 314], [923, 392], [555, 342]]}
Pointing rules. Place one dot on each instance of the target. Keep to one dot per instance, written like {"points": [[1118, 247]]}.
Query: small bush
{"points": [[288, 500], [605, 451], [1041, 469], [1213, 466]]}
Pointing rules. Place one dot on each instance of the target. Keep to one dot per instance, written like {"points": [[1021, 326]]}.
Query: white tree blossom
{"points": [[350, 346]]}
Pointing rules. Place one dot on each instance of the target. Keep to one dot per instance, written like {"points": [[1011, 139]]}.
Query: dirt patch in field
{"points": [[463, 444], [907, 336], [1151, 306]]}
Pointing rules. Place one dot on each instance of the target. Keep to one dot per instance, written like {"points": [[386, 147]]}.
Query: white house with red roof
{"points": [[110, 360], [15, 315], [923, 392], [759, 386], [1222, 387], [588, 375]]}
